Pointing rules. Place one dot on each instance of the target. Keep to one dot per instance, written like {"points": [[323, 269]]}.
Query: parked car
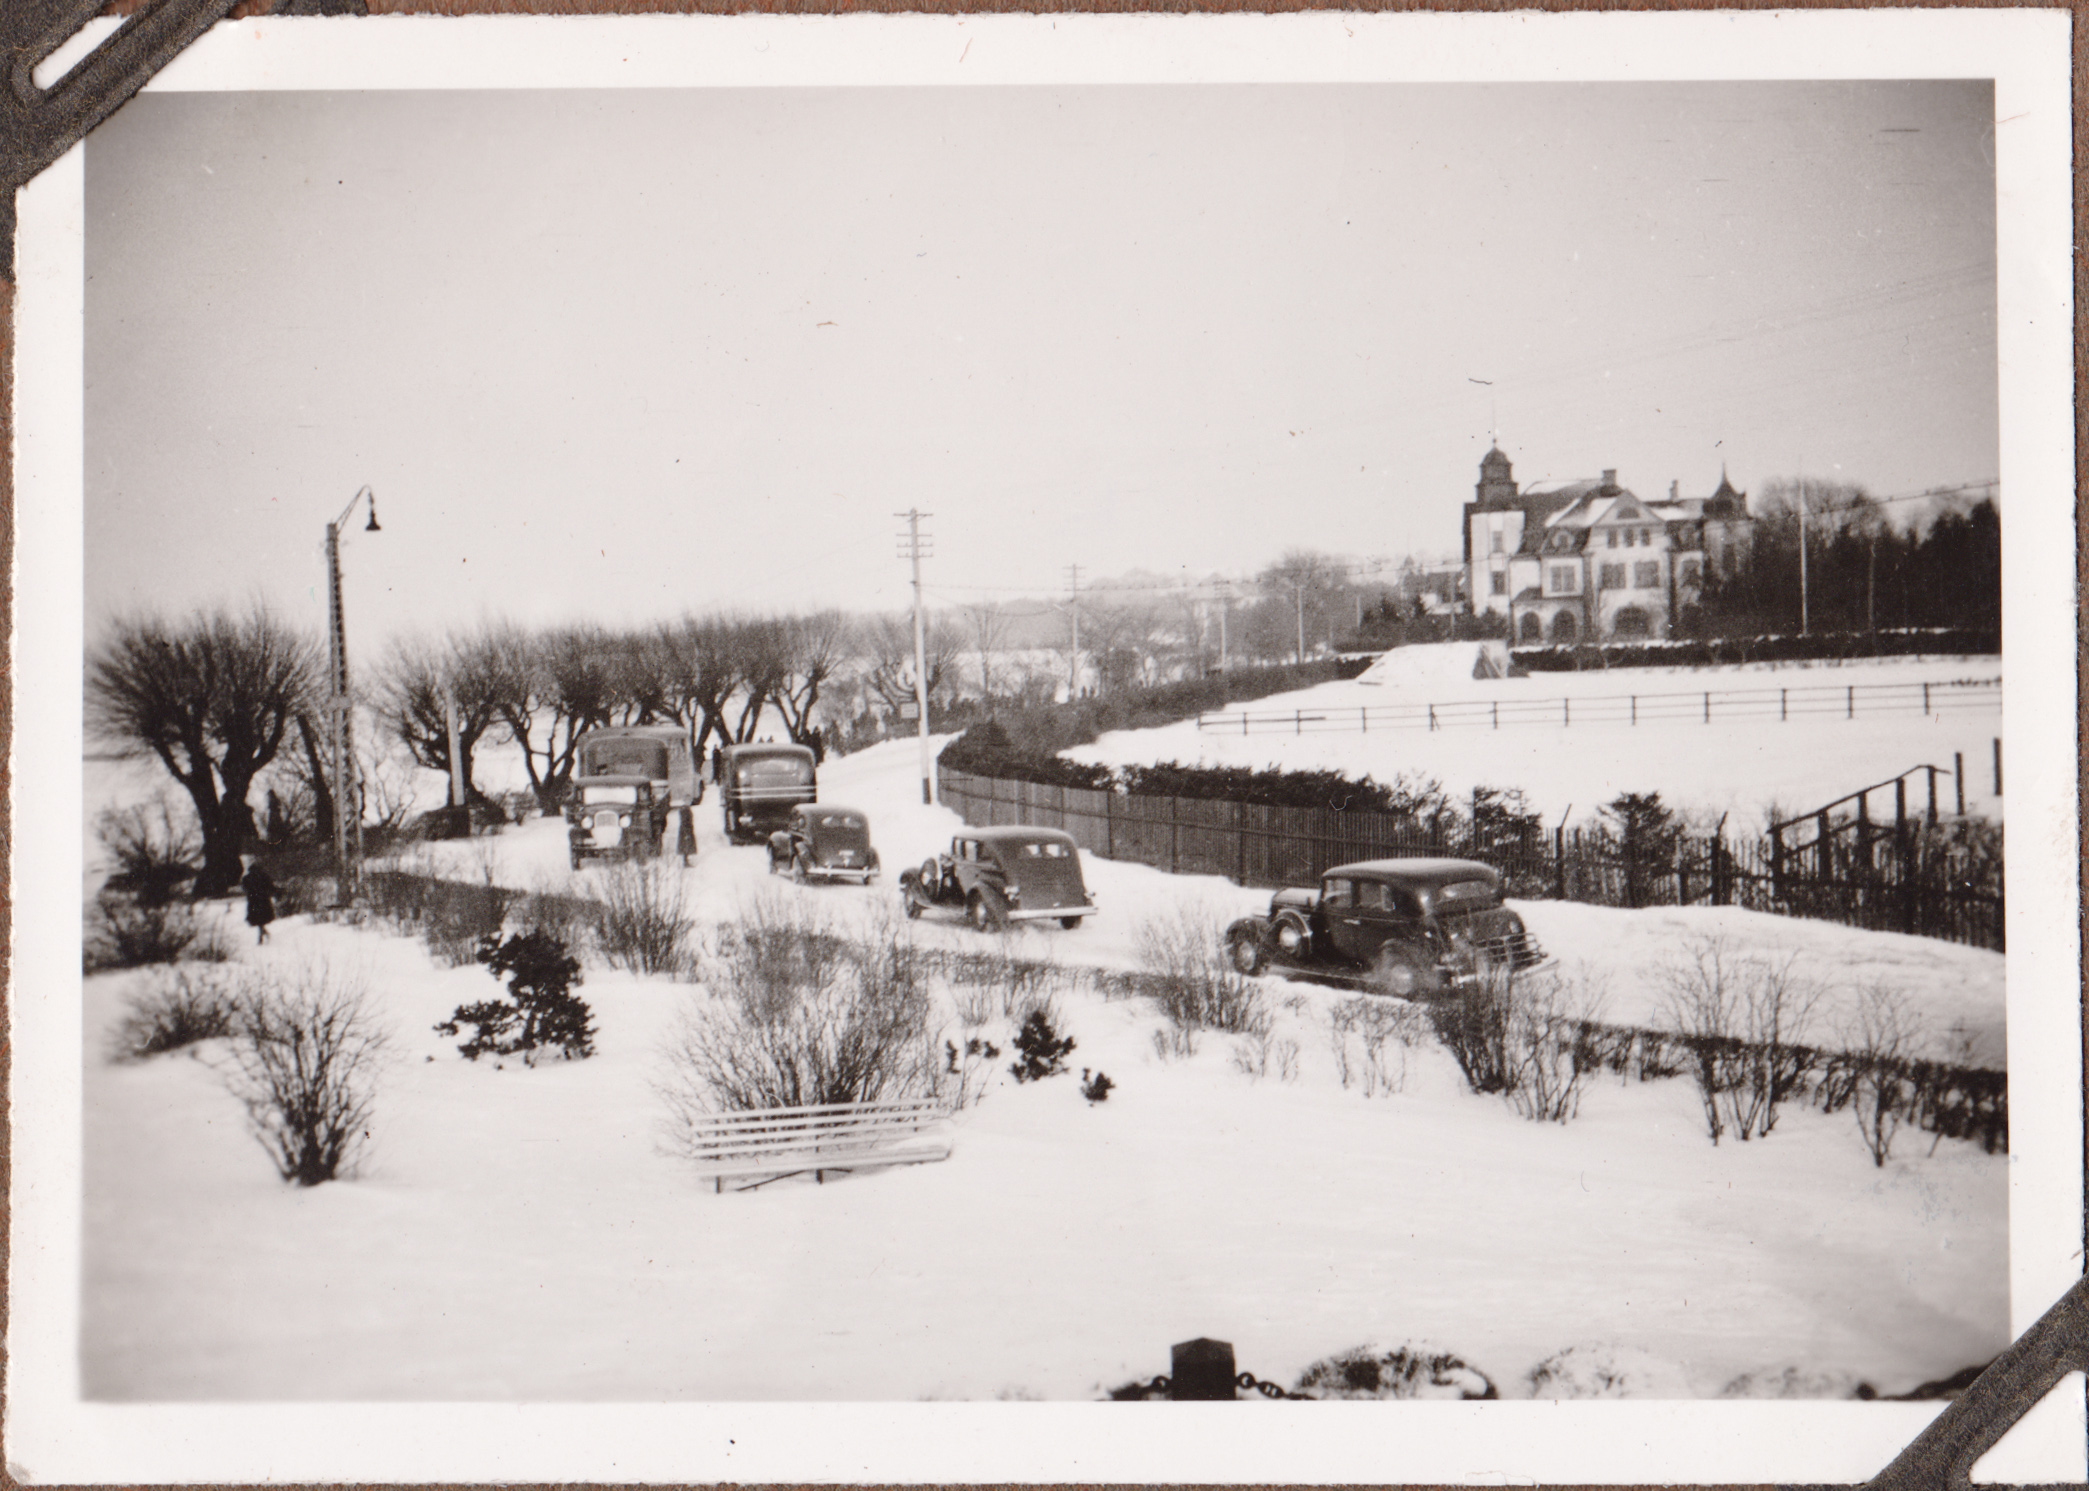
{"points": [[994, 876], [628, 782], [1410, 927], [824, 842], [759, 783]]}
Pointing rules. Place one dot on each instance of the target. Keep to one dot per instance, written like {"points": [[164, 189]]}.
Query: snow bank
{"points": [[520, 1234]]}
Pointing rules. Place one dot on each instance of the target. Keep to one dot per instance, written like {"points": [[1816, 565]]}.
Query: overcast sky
{"points": [[624, 354]]}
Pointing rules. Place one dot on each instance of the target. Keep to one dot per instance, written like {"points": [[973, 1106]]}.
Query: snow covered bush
{"points": [[1741, 1019], [1877, 1037], [642, 921], [185, 1006], [127, 933], [793, 1013], [1550, 1044], [1189, 975], [541, 1012], [1607, 1370], [1473, 1025], [1408, 1371], [303, 1062], [1255, 1055], [154, 845], [1371, 1038]]}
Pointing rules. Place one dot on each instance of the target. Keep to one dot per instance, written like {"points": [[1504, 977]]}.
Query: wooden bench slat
{"points": [[818, 1137]]}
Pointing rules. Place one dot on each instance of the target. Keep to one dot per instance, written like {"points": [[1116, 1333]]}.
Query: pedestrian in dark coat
{"points": [[685, 836], [261, 900]]}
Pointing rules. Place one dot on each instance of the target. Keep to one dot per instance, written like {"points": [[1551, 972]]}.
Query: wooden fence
{"points": [[1902, 882]]}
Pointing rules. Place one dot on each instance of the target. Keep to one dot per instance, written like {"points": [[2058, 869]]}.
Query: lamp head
{"points": [[371, 526]]}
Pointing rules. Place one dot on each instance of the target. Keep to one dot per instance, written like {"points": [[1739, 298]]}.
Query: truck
{"points": [[759, 782], [629, 781]]}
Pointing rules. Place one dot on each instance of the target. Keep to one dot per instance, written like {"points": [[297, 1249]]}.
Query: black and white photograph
{"points": [[833, 744]]}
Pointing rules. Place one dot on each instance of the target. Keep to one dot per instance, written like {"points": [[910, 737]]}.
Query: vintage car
{"points": [[824, 842], [1410, 927], [759, 783], [629, 781], [995, 876]]}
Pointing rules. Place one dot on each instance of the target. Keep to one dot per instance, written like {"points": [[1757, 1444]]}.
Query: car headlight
{"points": [[1014, 894], [623, 820]]}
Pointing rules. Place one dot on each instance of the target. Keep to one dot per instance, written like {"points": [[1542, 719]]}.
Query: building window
{"points": [[1690, 572], [1646, 536], [1494, 542], [1564, 628], [1629, 538], [1613, 537], [1533, 630], [1613, 577], [1564, 579], [1498, 583], [1631, 622], [1646, 575]]}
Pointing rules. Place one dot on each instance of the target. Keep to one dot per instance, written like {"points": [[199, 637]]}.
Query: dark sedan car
{"points": [[1411, 927], [995, 876], [824, 842]]}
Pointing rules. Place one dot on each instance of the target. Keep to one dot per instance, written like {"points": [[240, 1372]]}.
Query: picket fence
{"points": [[1900, 881]]}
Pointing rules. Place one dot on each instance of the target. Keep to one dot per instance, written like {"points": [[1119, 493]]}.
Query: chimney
{"points": [[1675, 490], [1610, 476]]}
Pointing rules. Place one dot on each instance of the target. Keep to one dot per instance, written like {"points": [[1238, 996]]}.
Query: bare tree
{"points": [[1308, 583], [816, 647], [413, 686], [888, 642], [212, 699], [988, 626], [550, 690], [1879, 1035]]}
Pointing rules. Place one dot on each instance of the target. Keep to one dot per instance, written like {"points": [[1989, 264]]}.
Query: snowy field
{"points": [[520, 1234], [1740, 767]]}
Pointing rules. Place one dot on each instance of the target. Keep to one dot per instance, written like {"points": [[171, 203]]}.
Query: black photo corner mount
{"points": [[38, 125]]}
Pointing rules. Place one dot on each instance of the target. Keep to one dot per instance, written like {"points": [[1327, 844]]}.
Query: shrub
{"points": [[1551, 1044], [1740, 1019], [544, 1014], [154, 845], [1361, 1030], [304, 1057], [1880, 1033], [1189, 976], [961, 1080], [1097, 1088], [185, 1007], [130, 934], [1473, 1025], [1403, 1372], [1253, 1055], [457, 917], [642, 921], [1042, 1049], [853, 1030]]}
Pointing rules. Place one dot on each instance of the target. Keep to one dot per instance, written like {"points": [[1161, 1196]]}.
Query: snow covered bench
{"points": [[775, 1142]]}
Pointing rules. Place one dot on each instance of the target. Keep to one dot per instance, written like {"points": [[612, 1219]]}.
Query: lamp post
{"points": [[345, 796]]}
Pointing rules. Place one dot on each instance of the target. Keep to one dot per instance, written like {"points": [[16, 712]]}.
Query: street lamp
{"points": [[338, 707]]}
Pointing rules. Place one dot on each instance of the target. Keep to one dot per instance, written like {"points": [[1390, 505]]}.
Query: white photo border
{"points": [[52, 1435]]}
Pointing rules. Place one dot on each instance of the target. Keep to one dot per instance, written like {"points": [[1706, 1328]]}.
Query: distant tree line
{"points": [[1863, 571]]}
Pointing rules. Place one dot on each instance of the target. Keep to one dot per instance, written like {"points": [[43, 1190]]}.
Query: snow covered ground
{"points": [[519, 1234], [1732, 766]]}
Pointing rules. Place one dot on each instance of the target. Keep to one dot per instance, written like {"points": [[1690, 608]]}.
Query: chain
{"points": [[1248, 1382]]}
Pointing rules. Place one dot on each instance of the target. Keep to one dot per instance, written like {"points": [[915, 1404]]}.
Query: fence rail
{"points": [[1954, 697], [1903, 878]]}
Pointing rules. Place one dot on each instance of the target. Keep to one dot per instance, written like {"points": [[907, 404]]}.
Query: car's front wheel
{"points": [[1248, 952], [983, 910], [1069, 922], [1397, 973]]}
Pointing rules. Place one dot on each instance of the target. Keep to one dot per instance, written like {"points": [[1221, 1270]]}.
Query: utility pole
{"points": [[1225, 605], [916, 549], [1802, 551], [348, 796], [1073, 585]]}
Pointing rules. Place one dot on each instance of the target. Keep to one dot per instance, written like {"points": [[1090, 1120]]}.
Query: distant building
{"points": [[1591, 561]]}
